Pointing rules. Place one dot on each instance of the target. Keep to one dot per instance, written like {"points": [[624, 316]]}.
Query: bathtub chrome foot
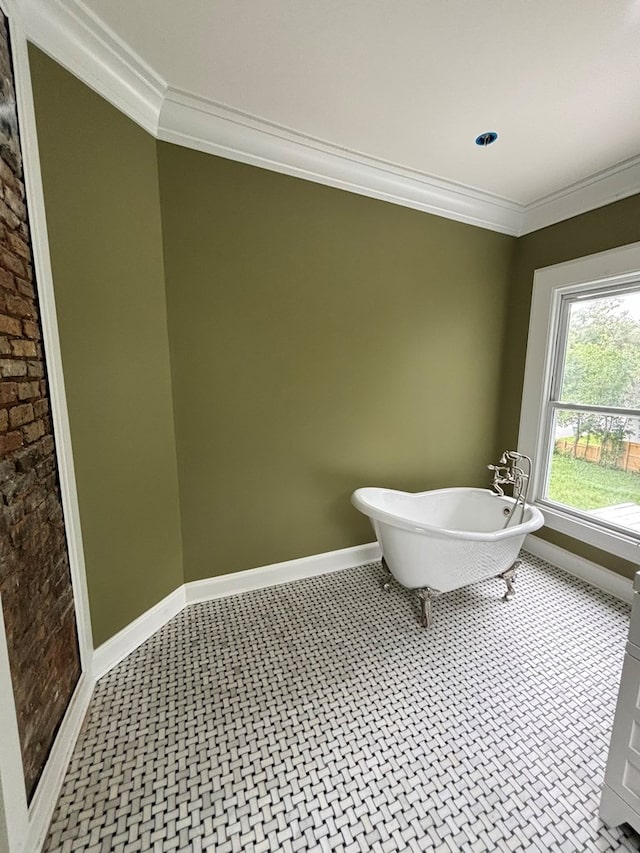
{"points": [[387, 577], [425, 597], [509, 578]]}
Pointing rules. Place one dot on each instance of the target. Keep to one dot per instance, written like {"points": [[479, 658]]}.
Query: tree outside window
{"points": [[596, 449]]}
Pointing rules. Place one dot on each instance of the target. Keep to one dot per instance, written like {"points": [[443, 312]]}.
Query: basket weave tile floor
{"points": [[319, 715]]}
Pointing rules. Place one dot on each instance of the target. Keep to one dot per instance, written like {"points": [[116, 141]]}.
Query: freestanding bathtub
{"points": [[443, 539]]}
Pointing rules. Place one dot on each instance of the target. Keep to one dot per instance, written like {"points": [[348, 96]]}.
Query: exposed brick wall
{"points": [[35, 581]]}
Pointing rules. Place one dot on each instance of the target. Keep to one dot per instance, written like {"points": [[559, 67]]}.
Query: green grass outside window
{"points": [[587, 485]]}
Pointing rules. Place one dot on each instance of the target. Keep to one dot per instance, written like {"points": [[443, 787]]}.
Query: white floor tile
{"points": [[320, 716]]}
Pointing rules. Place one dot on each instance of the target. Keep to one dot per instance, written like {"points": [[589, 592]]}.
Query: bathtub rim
{"points": [[375, 513]]}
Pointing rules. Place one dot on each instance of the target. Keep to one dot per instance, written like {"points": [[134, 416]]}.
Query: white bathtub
{"points": [[447, 538]]}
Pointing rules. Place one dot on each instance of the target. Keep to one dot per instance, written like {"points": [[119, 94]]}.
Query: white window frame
{"points": [[614, 269]]}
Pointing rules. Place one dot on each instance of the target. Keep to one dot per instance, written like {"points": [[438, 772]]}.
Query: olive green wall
{"points": [[101, 192], [614, 225], [320, 341]]}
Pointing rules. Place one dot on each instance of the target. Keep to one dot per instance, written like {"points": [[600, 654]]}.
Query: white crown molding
{"points": [[76, 38], [69, 32], [592, 573], [194, 122], [617, 182]]}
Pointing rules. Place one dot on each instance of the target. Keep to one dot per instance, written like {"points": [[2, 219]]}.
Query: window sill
{"points": [[579, 527]]}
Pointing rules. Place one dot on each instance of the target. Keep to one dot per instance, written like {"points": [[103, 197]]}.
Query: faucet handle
{"points": [[499, 470]]}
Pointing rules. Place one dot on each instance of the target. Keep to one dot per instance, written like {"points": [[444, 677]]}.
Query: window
{"points": [[580, 418]]}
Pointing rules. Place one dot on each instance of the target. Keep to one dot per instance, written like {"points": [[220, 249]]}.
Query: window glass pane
{"points": [[602, 358], [595, 466]]}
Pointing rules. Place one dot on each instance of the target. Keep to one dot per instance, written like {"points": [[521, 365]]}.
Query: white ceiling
{"points": [[412, 82]]}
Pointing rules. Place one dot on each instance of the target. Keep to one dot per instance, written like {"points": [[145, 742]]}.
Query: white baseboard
{"points": [[592, 573], [110, 653], [48, 790], [136, 633], [277, 573]]}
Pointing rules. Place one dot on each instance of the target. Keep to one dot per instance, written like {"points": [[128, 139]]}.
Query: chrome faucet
{"points": [[501, 477], [510, 471]]}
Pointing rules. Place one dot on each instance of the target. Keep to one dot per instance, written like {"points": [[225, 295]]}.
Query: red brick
{"points": [[25, 287], [10, 262], [33, 502], [8, 392], [20, 307], [31, 330], [10, 325], [20, 415], [7, 280], [40, 408], [15, 203], [26, 390], [8, 216], [18, 245], [35, 583], [6, 175], [26, 349], [9, 442], [12, 367], [32, 432]]}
